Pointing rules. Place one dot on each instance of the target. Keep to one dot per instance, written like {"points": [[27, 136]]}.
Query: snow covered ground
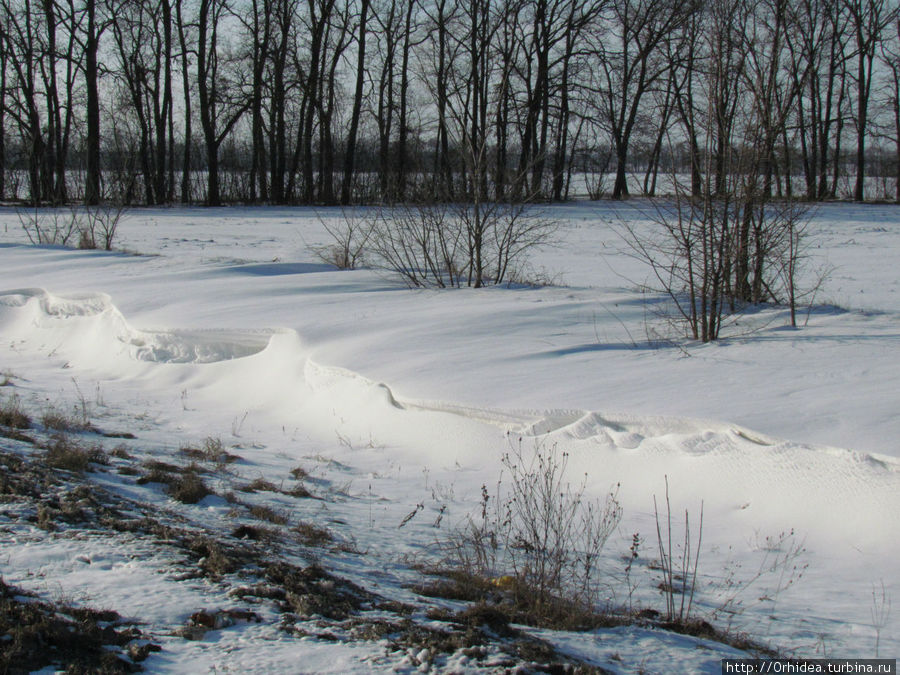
{"points": [[225, 325]]}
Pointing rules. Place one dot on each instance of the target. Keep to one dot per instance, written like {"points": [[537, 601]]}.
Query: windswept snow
{"points": [[227, 326]]}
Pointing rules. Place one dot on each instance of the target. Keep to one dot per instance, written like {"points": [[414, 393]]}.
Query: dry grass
{"points": [[455, 584], [63, 452], [57, 420], [120, 452], [259, 484], [254, 533], [188, 487], [210, 450], [183, 484], [312, 535], [312, 591], [262, 512], [158, 472], [215, 560], [516, 601], [12, 415], [300, 491], [40, 635]]}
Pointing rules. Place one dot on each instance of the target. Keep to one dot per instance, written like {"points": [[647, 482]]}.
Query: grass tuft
{"points": [[300, 491], [210, 450], [67, 454], [56, 420], [253, 532], [312, 535], [215, 560], [183, 484], [188, 487], [12, 415], [262, 512], [39, 636], [259, 484]]}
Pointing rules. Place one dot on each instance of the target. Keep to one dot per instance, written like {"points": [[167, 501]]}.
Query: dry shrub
{"points": [[349, 241], [536, 543]]}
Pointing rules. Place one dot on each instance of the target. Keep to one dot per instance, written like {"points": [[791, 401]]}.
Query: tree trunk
{"points": [[185, 84], [92, 178], [350, 151], [862, 110], [206, 48], [620, 186], [3, 58], [402, 141]]}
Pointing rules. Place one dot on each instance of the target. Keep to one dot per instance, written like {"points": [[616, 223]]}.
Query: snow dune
{"points": [[831, 494]]}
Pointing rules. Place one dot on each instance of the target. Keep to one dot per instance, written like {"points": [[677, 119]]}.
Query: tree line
{"points": [[352, 101]]}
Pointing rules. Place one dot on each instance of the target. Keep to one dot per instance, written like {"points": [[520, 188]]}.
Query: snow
{"points": [[221, 322]]}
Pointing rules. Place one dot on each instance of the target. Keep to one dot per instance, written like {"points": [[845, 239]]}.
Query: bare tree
{"points": [[631, 61], [819, 47], [285, 79], [890, 54], [221, 104], [771, 93], [143, 37], [551, 32], [867, 19], [337, 40], [4, 56], [353, 133], [91, 46], [59, 62], [40, 53], [729, 243], [184, 57]]}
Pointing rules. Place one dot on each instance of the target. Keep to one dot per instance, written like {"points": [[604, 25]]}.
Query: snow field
{"points": [[404, 397]]}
